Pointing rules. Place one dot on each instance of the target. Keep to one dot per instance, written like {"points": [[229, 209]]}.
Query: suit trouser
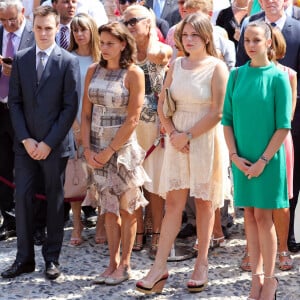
{"points": [[27, 172], [6, 166]]}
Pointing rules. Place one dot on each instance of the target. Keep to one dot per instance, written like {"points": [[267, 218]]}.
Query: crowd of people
{"points": [[95, 79]]}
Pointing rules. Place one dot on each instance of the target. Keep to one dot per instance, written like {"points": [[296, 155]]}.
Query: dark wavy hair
{"points": [[120, 31]]}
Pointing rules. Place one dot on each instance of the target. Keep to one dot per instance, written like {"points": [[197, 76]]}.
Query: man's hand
{"points": [[30, 146], [41, 152], [6, 69]]}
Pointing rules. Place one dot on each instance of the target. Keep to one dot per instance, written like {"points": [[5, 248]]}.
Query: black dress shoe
{"points": [[39, 236], [17, 269], [52, 271], [187, 231], [7, 232]]}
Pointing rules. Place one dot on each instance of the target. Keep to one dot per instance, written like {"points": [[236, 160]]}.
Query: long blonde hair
{"points": [[84, 21]]}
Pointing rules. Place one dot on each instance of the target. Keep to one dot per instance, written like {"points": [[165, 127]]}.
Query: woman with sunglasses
{"points": [[256, 122], [84, 44], [112, 102], [152, 57]]}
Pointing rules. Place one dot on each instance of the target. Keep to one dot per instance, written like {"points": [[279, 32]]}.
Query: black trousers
{"points": [[27, 172], [7, 203]]}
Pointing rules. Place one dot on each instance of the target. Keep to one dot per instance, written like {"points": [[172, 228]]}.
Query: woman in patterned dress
{"points": [[113, 99], [152, 57]]}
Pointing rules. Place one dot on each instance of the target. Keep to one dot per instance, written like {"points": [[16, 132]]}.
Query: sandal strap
{"points": [[259, 274], [284, 254]]}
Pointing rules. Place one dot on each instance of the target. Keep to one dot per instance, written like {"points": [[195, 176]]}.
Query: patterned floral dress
{"points": [[149, 129], [117, 183]]}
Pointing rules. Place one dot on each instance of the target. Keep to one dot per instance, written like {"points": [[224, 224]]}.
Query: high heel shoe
{"points": [[138, 246], [196, 286], [217, 242], [157, 287], [254, 275], [277, 283], [76, 237]]}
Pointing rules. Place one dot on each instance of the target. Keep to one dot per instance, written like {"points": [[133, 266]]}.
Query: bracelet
{"points": [[232, 154], [264, 159], [76, 131], [113, 150]]}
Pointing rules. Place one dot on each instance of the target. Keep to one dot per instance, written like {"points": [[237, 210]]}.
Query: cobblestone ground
{"points": [[81, 264]]}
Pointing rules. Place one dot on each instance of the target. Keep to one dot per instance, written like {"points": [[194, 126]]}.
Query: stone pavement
{"points": [[81, 264]]}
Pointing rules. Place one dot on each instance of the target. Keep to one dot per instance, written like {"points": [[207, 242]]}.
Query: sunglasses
{"points": [[133, 21], [123, 2]]}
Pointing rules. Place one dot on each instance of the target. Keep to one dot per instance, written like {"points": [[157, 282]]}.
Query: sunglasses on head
{"points": [[123, 2], [132, 22]]}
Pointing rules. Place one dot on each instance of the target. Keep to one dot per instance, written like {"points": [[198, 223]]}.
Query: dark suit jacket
{"points": [[290, 31], [170, 11], [27, 39], [46, 111]]}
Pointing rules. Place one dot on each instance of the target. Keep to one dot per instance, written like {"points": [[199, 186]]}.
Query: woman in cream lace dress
{"points": [[195, 150]]}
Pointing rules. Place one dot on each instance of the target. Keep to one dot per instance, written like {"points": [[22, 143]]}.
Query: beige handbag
{"points": [[169, 105], [76, 177]]}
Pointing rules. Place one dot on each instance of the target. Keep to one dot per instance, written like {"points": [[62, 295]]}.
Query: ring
{"points": [[249, 177]]}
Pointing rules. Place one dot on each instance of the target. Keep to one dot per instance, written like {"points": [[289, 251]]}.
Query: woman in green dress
{"points": [[256, 120]]}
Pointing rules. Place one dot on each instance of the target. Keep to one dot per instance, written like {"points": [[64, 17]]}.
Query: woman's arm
{"points": [[135, 83], [158, 52], [241, 163], [276, 141], [293, 82], [86, 119]]}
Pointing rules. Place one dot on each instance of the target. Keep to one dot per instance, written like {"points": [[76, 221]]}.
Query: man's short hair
{"points": [[44, 11]]}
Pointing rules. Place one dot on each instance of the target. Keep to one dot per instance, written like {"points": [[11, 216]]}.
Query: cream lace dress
{"points": [[118, 183], [204, 169]]}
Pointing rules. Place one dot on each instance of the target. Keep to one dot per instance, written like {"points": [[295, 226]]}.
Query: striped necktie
{"points": [[63, 41]]}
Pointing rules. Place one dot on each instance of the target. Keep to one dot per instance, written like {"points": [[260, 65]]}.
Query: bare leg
{"points": [[175, 204], [281, 219], [268, 248], [76, 238], [204, 221], [113, 234], [100, 236], [255, 257], [128, 231], [157, 207], [138, 244], [217, 236]]}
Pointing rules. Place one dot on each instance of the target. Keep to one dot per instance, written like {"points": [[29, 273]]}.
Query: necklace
{"points": [[238, 7]]}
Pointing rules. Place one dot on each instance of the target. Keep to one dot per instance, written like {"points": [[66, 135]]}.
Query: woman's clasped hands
{"points": [[250, 169], [180, 141], [97, 160]]}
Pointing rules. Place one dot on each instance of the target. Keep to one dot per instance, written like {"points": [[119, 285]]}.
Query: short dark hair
{"points": [[120, 31], [44, 11]]}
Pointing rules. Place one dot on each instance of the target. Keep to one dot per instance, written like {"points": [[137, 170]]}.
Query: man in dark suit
{"points": [[290, 28], [43, 101], [168, 10], [13, 24]]}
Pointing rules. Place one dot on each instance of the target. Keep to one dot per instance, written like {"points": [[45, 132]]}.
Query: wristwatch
{"points": [[189, 135]]}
